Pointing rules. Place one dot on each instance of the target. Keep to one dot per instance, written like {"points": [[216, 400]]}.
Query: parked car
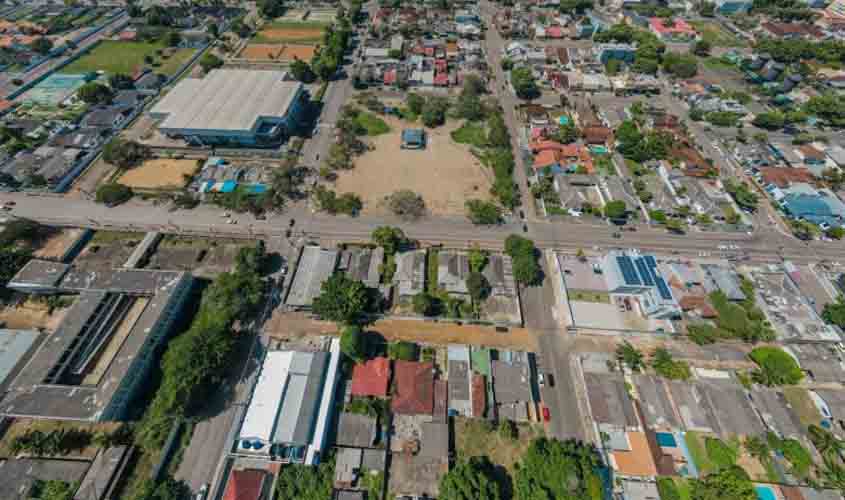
{"points": [[547, 415]]}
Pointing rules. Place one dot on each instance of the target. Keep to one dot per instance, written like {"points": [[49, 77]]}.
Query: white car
{"points": [[232, 221], [226, 215]]}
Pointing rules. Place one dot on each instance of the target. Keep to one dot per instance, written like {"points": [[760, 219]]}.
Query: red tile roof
{"points": [[554, 32], [538, 146], [414, 393], [596, 135], [244, 485], [659, 25], [371, 378], [441, 79], [390, 77], [479, 396], [784, 176]]}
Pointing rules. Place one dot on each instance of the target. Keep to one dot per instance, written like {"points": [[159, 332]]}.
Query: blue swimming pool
{"points": [[563, 120], [765, 493], [666, 440], [599, 150]]}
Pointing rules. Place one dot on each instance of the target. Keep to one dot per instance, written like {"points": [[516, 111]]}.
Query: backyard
{"points": [[478, 437], [127, 57], [445, 173]]}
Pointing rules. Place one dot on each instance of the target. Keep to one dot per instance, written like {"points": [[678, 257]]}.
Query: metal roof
{"points": [[315, 266], [232, 100], [13, 346]]}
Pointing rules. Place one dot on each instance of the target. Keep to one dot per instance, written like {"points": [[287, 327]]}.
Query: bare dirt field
{"points": [[277, 52], [445, 173], [160, 173], [303, 34], [31, 315], [56, 245], [297, 325]]}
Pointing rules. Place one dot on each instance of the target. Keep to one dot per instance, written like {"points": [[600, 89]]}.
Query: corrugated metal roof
{"points": [[13, 346]]}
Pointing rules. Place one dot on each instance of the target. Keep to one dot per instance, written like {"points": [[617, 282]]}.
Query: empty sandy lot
{"points": [[277, 52], [303, 34], [445, 173], [159, 174]]}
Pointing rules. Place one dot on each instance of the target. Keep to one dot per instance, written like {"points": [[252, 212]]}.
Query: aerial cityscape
{"points": [[384, 249]]}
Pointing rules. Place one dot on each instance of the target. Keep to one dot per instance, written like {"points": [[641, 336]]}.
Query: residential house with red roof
{"points": [[371, 378], [672, 30], [246, 484], [414, 394]]}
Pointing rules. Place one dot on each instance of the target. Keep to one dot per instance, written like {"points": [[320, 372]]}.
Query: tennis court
{"points": [[54, 89]]}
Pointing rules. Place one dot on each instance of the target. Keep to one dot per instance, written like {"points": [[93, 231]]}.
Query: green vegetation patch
{"points": [[716, 35], [695, 443], [113, 57], [589, 296], [372, 123], [472, 133]]}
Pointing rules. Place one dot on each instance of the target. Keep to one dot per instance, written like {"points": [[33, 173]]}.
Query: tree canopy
{"points": [[731, 483], [524, 84], [473, 479], [483, 212], [209, 62], [523, 255], [95, 93], [775, 367], [342, 300], [392, 239], [125, 154], [406, 204], [352, 343], [552, 469], [834, 312]]}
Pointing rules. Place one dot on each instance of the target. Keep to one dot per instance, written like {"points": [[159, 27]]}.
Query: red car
{"points": [[547, 416]]}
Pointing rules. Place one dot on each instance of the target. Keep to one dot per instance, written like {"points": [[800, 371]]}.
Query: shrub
{"points": [[775, 367], [113, 194]]}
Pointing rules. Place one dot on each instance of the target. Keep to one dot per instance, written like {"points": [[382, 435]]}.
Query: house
{"points": [[108, 117], [371, 378], [410, 273], [247, 484], [674, 30], [597, 135], [414, 393]]}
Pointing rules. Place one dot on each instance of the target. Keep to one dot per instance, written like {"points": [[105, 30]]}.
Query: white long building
{"points": [[234, 107], [291, 405]]}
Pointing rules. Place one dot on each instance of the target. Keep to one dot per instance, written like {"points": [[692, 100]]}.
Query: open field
{"points": [[446, 174], [277, 52], [716, 35], [279, 32], [31, 315], [127, 57], [57, 244], [161, 173]]}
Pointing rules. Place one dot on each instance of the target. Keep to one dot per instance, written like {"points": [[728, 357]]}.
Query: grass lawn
{"points": [[683, 488], [476, 437], [373, 124], [717, 36], [695, 443], [170, 65], [803, 405], [717, 64], [286, 25], [125, 57], [107, 237], [589, 296], [473, 133]]}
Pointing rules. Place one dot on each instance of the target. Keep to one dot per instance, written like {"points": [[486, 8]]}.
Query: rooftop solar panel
{"points": [[665, 293], [649, 259], [629, 274], [645, 272]]}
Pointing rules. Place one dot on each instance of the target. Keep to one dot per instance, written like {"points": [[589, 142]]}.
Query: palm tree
{"points": [[825, 441]]}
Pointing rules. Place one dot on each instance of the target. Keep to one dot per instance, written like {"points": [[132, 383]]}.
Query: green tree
{"points": [[406, 204], [125, 154], [342, 300], [552, 469], [478, 259], [483, 212], [771, 120], [301, 71], [42, 45], [498, 135], [826, 442], [667, 489], [270, 9], [680, 65], [615, 209], [415, 103], [666, 366], [434, 112], [113, 194], [305, 482], [423, 304], [209, 62], [392, 239], [121, 81], [95, 93], [473, 479], [54, 490], [478, 287], [352, 343], [522, 80], [775, 367], [730, 483], [401, 350], [834, 312], [629, 355], [836, 233], [702, 48]]}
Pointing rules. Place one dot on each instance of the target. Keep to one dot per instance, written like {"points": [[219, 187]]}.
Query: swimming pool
{"points": [[765, 493], [563, 120], [598, 149], [666, 440]]}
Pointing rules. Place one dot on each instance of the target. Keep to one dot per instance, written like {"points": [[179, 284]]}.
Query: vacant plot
{"points": [[277, 52], [56, 245], [478, 437], [802, 404], [32, 314], [445, 173], [77, 441], [160, 173], [716, 35], [204, 257], [113, 56], [279, 32], [107, 250]]}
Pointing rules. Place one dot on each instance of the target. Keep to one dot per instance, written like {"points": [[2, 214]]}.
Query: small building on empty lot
{"points": [[413, 138], [231, 107], [315, 266]]}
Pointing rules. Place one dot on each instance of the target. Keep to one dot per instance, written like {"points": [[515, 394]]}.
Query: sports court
{"points": [[54, 89]]}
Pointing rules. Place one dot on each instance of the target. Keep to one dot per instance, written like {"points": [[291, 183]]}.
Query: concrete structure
{"points": [[291, 405], [460, 386], [101, 355], [362, 264], [231, 107], [14, 346], [512, 388], [410, 273], [315, 266], [413, 138], [629, 273], [101, 480]]}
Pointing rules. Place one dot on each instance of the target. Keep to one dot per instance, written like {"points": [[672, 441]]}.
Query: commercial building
{"points": [[101, 355], [14, 346], [231, 107], [291, 404], [629, 273]]}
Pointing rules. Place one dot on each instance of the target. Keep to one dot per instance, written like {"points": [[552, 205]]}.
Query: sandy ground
{"points": [[297, 325], [445, 173], [161, 173], [274, 52], [290, 34]]}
